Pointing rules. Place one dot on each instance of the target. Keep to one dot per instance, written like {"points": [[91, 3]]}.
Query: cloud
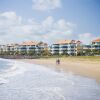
{"points": [[12, 28], [86, 37], [46, 5], [9, 18], [48, 30]]}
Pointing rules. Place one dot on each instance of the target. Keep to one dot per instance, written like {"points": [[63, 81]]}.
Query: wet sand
{"points": [[83, 67]]}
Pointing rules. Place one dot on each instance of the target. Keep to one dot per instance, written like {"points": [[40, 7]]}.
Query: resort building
{"points": [[96, 44], [23, 48], [32, 46], [68, 47], [61, 47], [8, 48], [28, 46]]}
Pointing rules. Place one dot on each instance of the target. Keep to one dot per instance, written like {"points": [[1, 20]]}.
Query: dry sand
{"points": [[81, 67]]}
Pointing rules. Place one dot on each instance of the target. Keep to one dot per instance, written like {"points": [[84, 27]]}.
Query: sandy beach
{"points": [[83, 67]]}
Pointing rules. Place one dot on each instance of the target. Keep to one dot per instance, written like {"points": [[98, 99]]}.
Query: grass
{"points": [[75, 58]]}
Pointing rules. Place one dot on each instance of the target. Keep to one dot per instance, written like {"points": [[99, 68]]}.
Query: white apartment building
{"points": [[70, 47], [96, 44], [24, 47]]}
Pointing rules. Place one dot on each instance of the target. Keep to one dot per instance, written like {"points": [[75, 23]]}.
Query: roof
{"points": [[65, 41], [29, 43], [11, 45], [96, 40], [33, 43]]}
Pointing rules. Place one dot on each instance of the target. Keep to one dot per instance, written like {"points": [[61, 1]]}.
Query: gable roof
{"points": [[29, 43], [64, 41]]}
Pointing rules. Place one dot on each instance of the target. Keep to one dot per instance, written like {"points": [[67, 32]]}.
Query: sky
{"points": [[49, 20]]}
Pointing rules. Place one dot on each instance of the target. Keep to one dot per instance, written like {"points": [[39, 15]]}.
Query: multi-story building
{"points": [[70, 47], [24, 47], [8, 48], [32, 46], [96, 44], [27, 46]]}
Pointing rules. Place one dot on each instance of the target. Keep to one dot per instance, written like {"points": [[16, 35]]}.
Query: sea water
{"points": [[23, 81]]}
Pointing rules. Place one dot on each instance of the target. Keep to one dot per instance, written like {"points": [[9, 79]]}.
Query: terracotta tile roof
{"points": [[96, 40], [29, 43], [12, 44], [33, 43], [65, 41]]}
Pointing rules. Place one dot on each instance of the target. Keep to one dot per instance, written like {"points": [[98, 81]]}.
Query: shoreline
{"points": [[85, 68]]}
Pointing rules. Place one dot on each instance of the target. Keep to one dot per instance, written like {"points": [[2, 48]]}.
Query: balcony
{"points": [[56, 48], [53, 46], [63, 49]]}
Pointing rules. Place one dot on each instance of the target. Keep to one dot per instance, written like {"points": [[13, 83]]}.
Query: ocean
{"points": [[24, 81]]}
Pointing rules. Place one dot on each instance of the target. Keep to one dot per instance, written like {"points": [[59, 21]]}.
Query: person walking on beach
{"points": [[58, 61]]}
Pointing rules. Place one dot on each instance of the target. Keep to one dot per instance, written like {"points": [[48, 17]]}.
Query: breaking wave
{"points": [[23, 81]]}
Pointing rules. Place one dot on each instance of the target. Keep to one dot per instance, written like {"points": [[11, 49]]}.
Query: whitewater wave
{"points": [[12, 70], [34, 82]]}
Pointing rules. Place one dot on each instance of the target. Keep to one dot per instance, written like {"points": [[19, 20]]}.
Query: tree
{"points": [[88, 52], [80, 49], [1, 51], [32, 52], [46, 52], [23, 52], [16, 52], [12, 52], [96, 52]]}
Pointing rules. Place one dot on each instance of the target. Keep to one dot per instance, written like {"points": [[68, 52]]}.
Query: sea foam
{"points": [[35, 82]]}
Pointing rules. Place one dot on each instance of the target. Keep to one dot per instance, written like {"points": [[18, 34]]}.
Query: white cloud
{"points": [[12, 28], [9, 19], [46, 5]]}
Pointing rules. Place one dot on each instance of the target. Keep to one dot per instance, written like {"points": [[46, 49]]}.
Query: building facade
{"points": [[96, 44], [68, 47], [23, 48], [62, 47]]}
